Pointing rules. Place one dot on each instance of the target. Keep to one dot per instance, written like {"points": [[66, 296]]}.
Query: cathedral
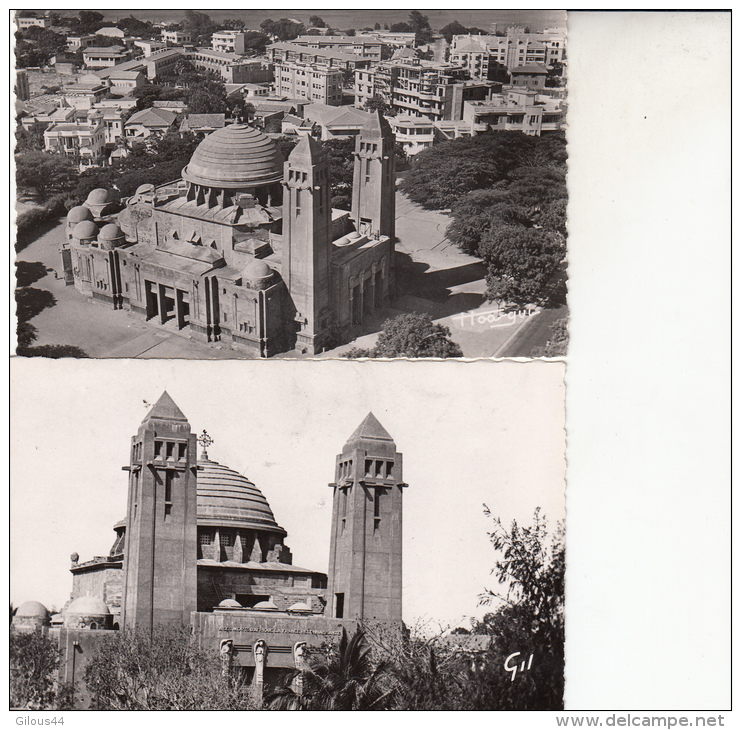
{"points": [[246, 249], [201, 547]]}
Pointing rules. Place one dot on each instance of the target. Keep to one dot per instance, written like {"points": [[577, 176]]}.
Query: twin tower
{"points": [[160, 561]]}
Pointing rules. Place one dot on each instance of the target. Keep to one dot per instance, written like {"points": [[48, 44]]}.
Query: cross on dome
{"points": [[205, 441]]}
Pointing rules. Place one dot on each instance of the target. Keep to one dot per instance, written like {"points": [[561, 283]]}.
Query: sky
{"points": [[471, 433]]}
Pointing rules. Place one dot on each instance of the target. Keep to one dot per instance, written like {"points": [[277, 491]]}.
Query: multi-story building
{"points": [[530, 75], [395, 40], [228, 41], [156, 64], [148, 47], [472, 55], [230, 67], [365, 47], [83, 142], [517, 48], [519, 110], [315, 83], [420, 88], [85, 95], [176, 37], [328, 57], [98, 58]]}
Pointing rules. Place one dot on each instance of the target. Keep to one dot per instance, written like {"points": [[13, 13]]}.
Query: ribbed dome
{"points": [[227, 498], [32, 608], [234, 157], [79, 213]]}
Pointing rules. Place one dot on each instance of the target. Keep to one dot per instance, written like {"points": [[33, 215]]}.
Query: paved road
{"points": [[533, 333]]}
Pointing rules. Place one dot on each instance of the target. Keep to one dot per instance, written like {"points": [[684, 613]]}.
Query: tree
{"points": [[451, 29], [401, 28], [411, 335], [531, 572], [31, 141], [255, 41], [44, 173], [420, 25], [87, 22], [347, 679], [558, 342], [316, 22], [283, 29], [207, 97], [34, 661], [377, 103], [162, 671], [520, 261]]}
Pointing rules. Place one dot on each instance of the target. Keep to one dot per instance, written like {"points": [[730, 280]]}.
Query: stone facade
{"points": [[218, 257]]}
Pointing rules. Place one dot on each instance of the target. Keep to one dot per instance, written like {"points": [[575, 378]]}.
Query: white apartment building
{"points": [[315, 83], [176, 37], [520, 110], [82, 141], [99, 58], [228, 41]]}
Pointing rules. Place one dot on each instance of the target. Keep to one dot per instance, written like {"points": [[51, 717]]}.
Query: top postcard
{"points": [[381, 184]]}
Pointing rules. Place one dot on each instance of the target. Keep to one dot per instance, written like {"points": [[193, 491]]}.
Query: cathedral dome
{"points": [[79, 213], [226, 498], [237, 156]]}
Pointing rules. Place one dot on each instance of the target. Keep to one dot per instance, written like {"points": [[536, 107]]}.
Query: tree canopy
{"points": [[44, 173], [284, 29], [411, 335], [507, 198]]}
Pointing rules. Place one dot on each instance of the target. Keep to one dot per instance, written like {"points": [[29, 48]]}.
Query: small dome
{"points": [[88, 606], [110, 232], [57, 619], [79, 213], [266, 606], [31, 609], [237, 156], [230, 603], [85, 229], [145, 189], [257, 270], [99, 196], [300, 606]]}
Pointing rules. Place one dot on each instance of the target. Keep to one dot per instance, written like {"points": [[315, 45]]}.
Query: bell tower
{"points": [[307, 247], [374, 185], [159, 570], [365, 546]]}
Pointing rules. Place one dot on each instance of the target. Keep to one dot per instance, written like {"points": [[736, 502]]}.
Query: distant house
{"points": [[336, 122], [105, 57], [202, 124], [148, 122], [531, 75], [83, 142]]}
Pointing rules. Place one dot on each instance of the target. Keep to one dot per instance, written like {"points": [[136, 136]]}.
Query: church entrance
{"points": [[167, 303], [150, 290]]}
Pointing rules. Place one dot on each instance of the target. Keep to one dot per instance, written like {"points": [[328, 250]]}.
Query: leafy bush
{"points": [[34, 660], [164, 671], [410, 335]]}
